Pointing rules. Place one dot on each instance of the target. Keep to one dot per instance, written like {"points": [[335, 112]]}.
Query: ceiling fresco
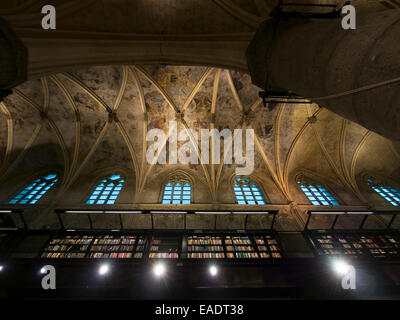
{"points": [[97, 118]]}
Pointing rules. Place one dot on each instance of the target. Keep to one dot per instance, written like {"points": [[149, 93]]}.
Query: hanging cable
{"points": [[365, 88]]}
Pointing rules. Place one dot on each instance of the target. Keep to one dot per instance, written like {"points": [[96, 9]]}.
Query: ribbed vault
{"points": [[92, 122]]}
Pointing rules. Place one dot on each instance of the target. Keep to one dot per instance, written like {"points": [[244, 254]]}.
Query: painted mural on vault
{"points": [[87, 139]]}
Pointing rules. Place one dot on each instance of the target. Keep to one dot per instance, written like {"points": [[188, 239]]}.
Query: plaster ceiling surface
{"points": [[96, 119]]}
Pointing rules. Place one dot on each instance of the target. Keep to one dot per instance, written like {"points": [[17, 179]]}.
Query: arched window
{"points": [[247, 192], [177, 191], [317, 194], [107, 191], [33, 192], [389, 193]]}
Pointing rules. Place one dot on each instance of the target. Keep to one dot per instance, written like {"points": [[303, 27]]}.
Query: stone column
{"points": [[13, 59], [317, 58]]}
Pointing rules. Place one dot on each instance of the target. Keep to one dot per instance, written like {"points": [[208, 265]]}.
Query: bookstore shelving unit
{"points": [[383, 244], [165, 246], [229, 246], [232, 246], [93, 246]]}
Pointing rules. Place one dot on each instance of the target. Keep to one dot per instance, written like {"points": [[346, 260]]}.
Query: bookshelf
{"points": [[268, 247], [67, 247], [165, 247], [357, 245], [80, 246], [117, 247], [232, 246], [205, 247], [224, 246]]}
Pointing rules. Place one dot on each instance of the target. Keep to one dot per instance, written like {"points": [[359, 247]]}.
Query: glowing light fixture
{"points": [[104, 269], [159, 269], [341, 267], [213, 270]]}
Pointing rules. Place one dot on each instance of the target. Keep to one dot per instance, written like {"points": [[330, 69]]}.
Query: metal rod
{"points": [[120, 222], [273, 221], [90, 221], [363, 221], [391, 221], [60, 221], [334, 222], [21, 215], [308, 221]]}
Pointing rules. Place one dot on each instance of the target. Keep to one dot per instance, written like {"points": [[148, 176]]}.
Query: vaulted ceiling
{"points": [[96, 119]]}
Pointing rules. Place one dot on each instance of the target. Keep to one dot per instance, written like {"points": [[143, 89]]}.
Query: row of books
{"points": [[239, 248], [72, 240], [67, 248], [243, 255], [205, 255], [206, 240], [167, 249], [63, 255], [237, 240], [122, 248], [164, 255], [205, 248], [116, 255], [378, 246]]}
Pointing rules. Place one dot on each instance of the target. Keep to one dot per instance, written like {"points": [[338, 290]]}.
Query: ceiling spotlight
{"points": [[159, 270], [341, 267], [104, 269], [213, 270], [1, 268]]}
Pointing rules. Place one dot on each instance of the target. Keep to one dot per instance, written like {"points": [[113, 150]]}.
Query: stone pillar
{"points": [[13, 59], [317, 58]]}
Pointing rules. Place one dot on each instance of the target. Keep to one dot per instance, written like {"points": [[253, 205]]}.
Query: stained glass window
{"points": [[389, 193], [34, 191], [317, 194], [107, 190], [177, 191], [247, 192]]}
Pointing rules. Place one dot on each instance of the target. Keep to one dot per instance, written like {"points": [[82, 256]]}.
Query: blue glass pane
{"points": [[246, 194], [106, 191]]}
